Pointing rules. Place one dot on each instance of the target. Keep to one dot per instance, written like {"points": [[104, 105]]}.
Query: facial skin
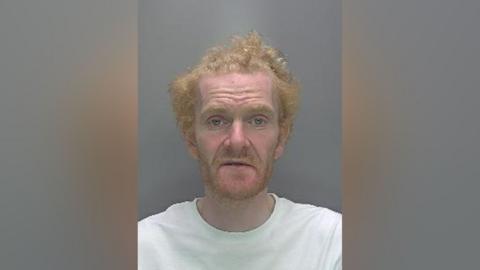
{"points": [[236, 133]]}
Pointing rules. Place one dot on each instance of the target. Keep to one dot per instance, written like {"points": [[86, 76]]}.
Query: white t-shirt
{"points": [[295, 236]]}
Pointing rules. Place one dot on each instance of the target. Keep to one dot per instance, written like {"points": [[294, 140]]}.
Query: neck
{"points": [[236, 216]]}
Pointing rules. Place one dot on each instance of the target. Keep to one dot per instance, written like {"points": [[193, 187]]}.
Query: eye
{"points": [[216, 122], [258, 121]]}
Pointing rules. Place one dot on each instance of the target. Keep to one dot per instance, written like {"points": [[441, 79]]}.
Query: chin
{"points": [[239, 189], [235, 187]]}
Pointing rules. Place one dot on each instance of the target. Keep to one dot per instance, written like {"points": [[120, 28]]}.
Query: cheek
{"points": [[208, 144], [265, 144]]}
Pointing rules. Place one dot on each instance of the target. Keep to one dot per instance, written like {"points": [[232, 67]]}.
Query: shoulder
{"points": [[155, 232], [320, 222], [174, 215], [322, 225], [301, 212]]}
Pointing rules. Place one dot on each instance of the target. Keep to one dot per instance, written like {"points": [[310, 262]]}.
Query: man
{"points": [[235, 110]]}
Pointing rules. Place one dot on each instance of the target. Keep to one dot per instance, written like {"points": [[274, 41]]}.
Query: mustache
{"points": [[226, 156]]}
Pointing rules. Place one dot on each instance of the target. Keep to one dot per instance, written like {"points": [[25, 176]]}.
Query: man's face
{"points": [[236, 133]]}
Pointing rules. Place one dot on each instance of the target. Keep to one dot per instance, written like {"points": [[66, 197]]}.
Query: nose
{"points": [[237, 139]]}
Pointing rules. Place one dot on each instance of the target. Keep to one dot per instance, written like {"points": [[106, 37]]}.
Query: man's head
{"points": [[235, 110]]}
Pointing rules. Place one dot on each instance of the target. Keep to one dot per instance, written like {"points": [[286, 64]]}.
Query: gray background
{"points": [[68, 146], [68, 107], [411, 103], [173, 35]]}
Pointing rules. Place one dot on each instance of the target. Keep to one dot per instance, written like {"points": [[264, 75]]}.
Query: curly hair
{"points": [[245, 54]]}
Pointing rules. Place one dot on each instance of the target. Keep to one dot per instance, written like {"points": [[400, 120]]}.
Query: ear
{"points": [[191, 145], [282, 141]]}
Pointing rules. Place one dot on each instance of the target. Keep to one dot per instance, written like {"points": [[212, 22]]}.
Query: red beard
{"points": [[236, 176]]}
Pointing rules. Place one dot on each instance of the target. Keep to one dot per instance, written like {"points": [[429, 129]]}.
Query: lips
{"points": [[236, 163]]}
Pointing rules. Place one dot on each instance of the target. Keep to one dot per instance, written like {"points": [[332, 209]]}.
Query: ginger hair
{"points": [[244, 54]]}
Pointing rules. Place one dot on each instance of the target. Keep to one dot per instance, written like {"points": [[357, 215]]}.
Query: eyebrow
{"points": [[261, 108], [217, 109], [221, 109]]}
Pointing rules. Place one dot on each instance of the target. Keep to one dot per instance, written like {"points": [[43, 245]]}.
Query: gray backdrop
{"points": [[68, 106], [411, 102], [411, 137], [173, 35]]}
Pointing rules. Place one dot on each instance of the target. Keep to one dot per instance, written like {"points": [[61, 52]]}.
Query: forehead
{"points": [[236, 89]]}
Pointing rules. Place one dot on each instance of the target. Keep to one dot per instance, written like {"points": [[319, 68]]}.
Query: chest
{"points": [[278, 249]]}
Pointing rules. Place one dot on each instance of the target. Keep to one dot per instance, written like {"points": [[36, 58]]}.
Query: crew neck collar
{"points": [[236, 235]]}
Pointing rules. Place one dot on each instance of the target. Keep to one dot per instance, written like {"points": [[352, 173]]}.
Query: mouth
{"points": [[236, 163]]}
